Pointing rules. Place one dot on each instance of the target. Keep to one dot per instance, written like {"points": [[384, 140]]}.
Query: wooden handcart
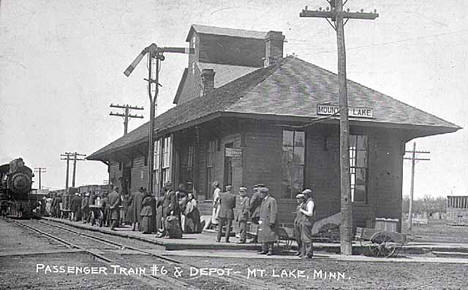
{"points": [[380, 243]]}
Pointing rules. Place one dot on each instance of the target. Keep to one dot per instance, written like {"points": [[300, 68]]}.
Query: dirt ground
{"points": [[19, 271], [358, 275]]}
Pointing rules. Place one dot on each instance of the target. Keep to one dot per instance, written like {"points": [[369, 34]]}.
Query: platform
{"points": [[207, 241]]}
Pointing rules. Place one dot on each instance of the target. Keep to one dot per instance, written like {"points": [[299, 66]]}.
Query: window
{"points": [[156, 165], [157, 145], [166, 160], [358, 153], [292, 163], [187, 164], [162, 161], [210, 162]]}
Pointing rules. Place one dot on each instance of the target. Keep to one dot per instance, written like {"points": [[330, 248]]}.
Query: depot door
{"points": [[227, 165]]}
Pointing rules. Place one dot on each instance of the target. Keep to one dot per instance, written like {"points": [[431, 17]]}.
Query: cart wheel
{"points": [[382, 245]]}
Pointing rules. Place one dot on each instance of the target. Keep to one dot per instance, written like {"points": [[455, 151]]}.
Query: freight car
{"points": [[15, 190]]}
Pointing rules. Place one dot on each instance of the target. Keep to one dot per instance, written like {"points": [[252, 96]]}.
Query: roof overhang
{"points": [[411, 131]]}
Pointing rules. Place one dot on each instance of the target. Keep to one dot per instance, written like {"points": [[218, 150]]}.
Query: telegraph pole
{"points": [[413, 159], [40, 170], [335, 16], [155, 55], [76, 157], [66, 156], [126, 115]]}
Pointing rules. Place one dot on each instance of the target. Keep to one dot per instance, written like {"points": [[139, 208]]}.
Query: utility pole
{"points": [[40, 170], [413, 159], [336, 14], [66, 156], [155, 56], [76, 157], [126, 115]]}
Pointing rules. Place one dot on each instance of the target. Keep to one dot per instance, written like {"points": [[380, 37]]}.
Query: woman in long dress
{"points": [[147, 224], [216, 204]]}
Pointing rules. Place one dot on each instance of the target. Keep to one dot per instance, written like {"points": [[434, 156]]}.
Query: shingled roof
{"points": [[291, 88]]}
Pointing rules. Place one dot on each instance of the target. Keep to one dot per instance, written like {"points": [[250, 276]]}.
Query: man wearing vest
{"points": [[298, 221], [308, 210]]}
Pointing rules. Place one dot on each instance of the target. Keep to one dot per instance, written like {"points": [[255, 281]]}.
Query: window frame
{"points": [[355, 165], [293, 145]]}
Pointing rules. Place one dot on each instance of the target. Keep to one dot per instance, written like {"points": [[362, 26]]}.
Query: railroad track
{"points": [[155, 281]]}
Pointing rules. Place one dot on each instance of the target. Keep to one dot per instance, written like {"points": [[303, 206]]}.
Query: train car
{"points": [[15, 190]]}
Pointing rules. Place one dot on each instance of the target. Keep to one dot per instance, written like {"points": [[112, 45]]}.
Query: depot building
{"points": [[245, 114]]}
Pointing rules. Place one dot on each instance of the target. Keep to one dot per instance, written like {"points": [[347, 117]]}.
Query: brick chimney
{"points": [[207, 77], [273, 47]]}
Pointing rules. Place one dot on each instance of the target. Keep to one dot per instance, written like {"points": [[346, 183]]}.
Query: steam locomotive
{"points": [[15, 189]]}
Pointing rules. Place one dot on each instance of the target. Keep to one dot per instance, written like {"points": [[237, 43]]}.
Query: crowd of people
{"points": [[176, 212], [260, 210]]}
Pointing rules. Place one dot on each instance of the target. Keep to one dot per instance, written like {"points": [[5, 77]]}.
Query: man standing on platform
{"points": [[114, 202], [135, 204], [308, 210], [227, 201], [268, 231], [75, 207], [243, 215], [298, 221], [254, 205], [85, 207]]}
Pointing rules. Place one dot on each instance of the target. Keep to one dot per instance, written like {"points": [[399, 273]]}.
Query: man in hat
{"points": [[114, 202], [298, 220], [227, 203], [135, 205], [243, 215], [308, 211], [268, 231], [75, 206], [254, 207], [85, 207]]}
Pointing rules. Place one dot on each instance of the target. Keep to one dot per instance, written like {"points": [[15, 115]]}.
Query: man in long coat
{"points": [[268, 231], [85, 207], [243, 214], [227, 202], [75, 206], [135, 202], [114, 202], [254, 206]]}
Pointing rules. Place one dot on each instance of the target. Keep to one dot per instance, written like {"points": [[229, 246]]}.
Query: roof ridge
{"points": [[383, 94], [227, 28]]}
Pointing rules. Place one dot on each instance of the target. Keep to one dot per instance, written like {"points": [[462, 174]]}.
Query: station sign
{"points": [[233, 152], [356, 112]]}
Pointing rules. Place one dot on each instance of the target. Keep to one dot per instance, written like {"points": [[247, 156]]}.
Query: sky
{"points": [[62, 63]]}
